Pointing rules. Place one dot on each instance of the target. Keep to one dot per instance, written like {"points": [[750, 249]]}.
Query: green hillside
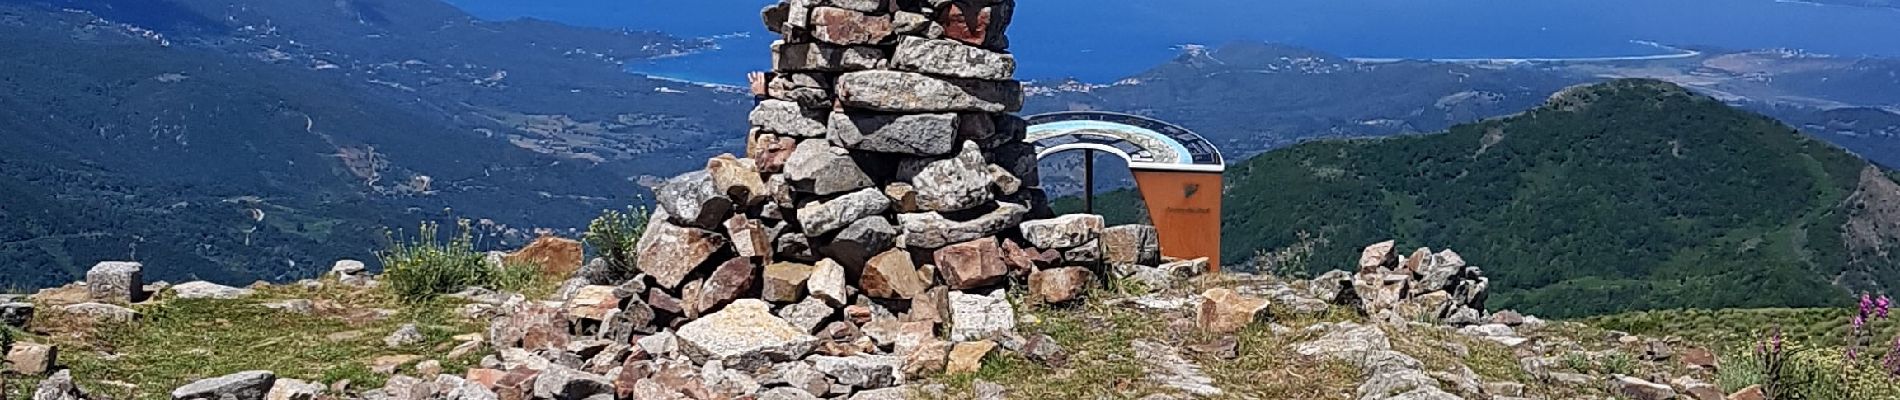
{"points": [[1626, 195]]}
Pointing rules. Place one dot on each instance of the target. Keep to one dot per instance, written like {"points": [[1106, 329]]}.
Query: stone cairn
{"points": [[867, 236], [1423, 286]]}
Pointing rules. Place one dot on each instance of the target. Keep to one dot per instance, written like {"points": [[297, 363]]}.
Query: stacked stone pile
{"points": [[882, 169], [1425, 285], [867, 235]]}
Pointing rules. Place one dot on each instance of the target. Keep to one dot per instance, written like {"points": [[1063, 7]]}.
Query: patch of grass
{"points": [[1268, 368], [1617, 363], [1101, 358], [1442, 349], [520, 278], [180, 341], [1740, 327], [1103, 363]]}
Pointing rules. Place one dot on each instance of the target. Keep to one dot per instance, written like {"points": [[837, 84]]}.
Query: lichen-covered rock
{"points": [[669, 252], [1038, 348], [749, 237], [950, 184], [347, 267], [932, 230], [693, 200], [809, 314], [785, 281], [529, 325], [808, 90], [821, 218], [855, 244], [818, 168], [116, 282], [737, 178], [786, 118], [59, 386], [929, 357], [1639, 389], [563, 383], [892, 275], [249, 385], [745, 335], [770, 152], [293, 389], [1222, 311], [208, 290], [967, 357], [821, 57], [1089, 253], [912, 134], [971, 264], [1131, 244], [909, 92], [404, 336], [1064, 232], [97, 313], [1060, 285], [849, 27], [827, 283], [1379, 255], [726, 283], [31, 359], [861, 371], [953, 59], [977, 317]]}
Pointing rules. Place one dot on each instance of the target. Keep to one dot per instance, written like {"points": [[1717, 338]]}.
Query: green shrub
{"points": [[6, 343], [421, 269], [1619, 363], [615, 236], [1578, 362]]}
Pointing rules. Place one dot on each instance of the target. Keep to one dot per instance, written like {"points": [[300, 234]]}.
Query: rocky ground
{"points": [[1153, 332], [884, 237]]}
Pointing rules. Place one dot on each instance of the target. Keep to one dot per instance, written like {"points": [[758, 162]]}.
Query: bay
{"points": [[1105, 40]]}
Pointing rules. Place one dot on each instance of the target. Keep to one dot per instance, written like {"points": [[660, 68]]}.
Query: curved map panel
{"points": [[1147, 143]]}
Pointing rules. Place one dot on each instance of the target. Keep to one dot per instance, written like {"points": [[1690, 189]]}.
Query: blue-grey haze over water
{"points": [[1105, 40]]}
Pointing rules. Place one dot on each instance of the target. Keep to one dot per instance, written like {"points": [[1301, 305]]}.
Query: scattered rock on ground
{"points": [[249, 385]]}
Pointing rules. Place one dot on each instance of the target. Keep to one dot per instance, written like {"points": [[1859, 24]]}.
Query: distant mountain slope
{"points": [[1250, 97], [1632, 194], [237, 140]]}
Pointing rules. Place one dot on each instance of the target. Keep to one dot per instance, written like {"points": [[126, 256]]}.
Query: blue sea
{"points": [[1105, 40]]}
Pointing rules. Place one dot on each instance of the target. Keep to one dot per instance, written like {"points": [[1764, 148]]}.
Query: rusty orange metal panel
{"points": [[1185, 209]]}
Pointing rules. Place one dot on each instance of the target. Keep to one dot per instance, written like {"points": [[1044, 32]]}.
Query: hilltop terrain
{"points": [[1630, 195], [331, 122]]}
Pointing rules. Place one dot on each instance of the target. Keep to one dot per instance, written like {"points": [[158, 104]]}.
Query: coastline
{"points": [[687, 81], [1677, 53]]}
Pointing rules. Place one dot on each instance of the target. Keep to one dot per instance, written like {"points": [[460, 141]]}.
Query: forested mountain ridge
{"points": [[1631, 194], [235, 140]]}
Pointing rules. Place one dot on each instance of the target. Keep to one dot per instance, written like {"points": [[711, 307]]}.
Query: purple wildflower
{"points": [[1881, 306], [1859, 321], [1866, 304]]}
